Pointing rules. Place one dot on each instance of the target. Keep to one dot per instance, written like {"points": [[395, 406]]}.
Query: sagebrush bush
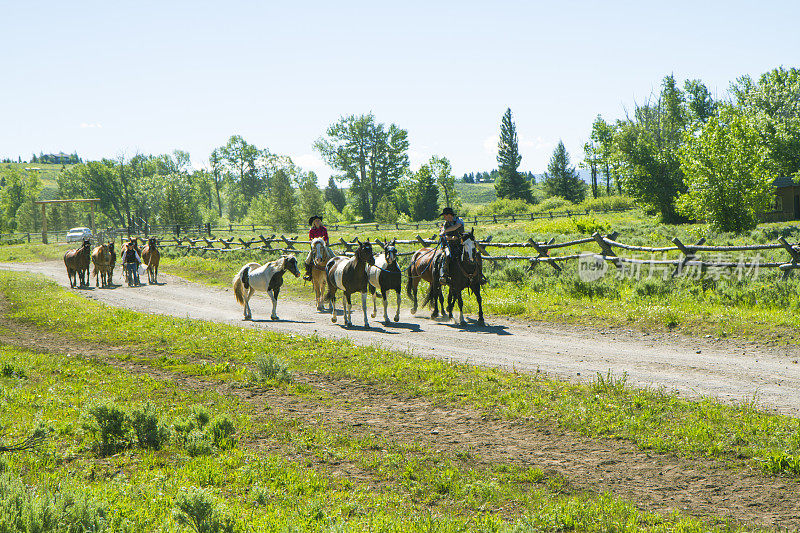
{"points": [[505, 207], [150, 431], [108, 425], [198, 444], [23, 509], [554, 203], [222, 430], [271, 368], [197, 508]]}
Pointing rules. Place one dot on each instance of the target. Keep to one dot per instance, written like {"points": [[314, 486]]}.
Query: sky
{"points": [[105, 79]]}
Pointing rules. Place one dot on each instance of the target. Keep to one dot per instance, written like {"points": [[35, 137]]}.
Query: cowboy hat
{"points": [[447, 211], [312, 219]]}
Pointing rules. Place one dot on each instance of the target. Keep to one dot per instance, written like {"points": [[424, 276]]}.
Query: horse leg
{"points": [[385, 306], [461, 310], [364, 308], [451, 300], [273, 294], [248, 315], [412, 292], [436, 288], [397, 313], [374, 300], [479, 298], [347, 304]]}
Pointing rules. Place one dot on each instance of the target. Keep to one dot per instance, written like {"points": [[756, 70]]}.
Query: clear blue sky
{"points": [[105, 78]]}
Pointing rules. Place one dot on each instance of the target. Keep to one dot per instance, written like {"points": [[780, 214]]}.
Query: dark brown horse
{"points": [[466, 272], [77, 262], [151, 257], [423, 267]]}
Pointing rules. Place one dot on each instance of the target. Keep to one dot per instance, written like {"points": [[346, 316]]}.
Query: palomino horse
{"points": [[423, 267], [321, 255], [101, 260], [385, 276], [466, 272], [350, 275], [268, 278], [77, 263], [151, 257]]}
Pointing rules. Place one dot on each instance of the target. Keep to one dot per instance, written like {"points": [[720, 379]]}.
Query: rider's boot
{"points": [[307, 275], [445, 276]]}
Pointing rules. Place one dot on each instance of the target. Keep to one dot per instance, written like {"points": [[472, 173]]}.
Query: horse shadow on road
{"points": [[278, 321], [473, 326]]}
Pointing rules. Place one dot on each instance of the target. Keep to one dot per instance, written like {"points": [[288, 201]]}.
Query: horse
{"points": [[422, 267], [112, 262], [77, 263], [267, 277], [151, 257], [321, 255], [101, 261], [350, 275], [385, 276], [466, 272]]}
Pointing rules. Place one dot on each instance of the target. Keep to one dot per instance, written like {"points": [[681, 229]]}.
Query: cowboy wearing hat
{"points": [[453, 225], [317, 230]]}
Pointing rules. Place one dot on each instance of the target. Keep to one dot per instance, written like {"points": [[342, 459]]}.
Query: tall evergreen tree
{"points": [[510, 184], [561, 179], [425, 200]]}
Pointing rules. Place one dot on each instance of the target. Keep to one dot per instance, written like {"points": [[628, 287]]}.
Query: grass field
{"points": [[48, 173], [159, 421]]}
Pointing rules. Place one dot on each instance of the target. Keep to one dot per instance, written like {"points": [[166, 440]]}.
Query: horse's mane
{"points": [[327, 248]]}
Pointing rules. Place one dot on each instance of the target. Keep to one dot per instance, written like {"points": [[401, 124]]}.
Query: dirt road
{"points": [[729, 370]]}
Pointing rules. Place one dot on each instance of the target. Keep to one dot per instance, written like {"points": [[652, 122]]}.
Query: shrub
{"points": [[107, 424], [150, 431], [222, 430], [589, 224], [68, 511], [554, 203], [272, 368], [607, 203], [505, 207], [198, 509], [198, 444], [8, 370]]}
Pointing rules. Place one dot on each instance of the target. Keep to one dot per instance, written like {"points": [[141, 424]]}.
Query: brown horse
{"points": [[101, 259], [151, 257], [423, 267], [77, 263]]}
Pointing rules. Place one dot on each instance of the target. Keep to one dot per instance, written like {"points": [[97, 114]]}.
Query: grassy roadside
{"points": [[157, 474], [607, 408]]}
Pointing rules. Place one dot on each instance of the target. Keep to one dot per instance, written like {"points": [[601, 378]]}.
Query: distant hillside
{"points": [[48, 173], [476, 193]]}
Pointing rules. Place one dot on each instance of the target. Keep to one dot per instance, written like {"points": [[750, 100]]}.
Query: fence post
{"points": [[29, 238], [606, 249]]}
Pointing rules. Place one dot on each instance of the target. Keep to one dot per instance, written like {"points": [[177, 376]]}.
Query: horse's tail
{"points": [[241, 283], [409, 283]]}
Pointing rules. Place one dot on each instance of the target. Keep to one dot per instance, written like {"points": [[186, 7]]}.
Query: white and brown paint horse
{"points": [[385, 276], [268, 278], [320, 255], [350, 275]]}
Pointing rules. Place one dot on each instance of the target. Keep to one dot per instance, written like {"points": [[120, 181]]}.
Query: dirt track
{"points": [[729, 370]]}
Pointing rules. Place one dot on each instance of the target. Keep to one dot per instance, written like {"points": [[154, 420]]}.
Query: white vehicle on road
{"points": [[78, 234]]}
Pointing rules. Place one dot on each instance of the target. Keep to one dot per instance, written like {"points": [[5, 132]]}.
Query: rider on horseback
{"points": [[453, 226], [317, 230]]}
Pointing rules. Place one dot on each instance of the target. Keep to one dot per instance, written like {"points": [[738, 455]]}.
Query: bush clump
{"points": [[198, 509], [270, 368], [150, 431]]}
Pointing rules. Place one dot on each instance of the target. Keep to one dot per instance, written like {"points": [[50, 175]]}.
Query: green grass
{"points": [[608, 408], [288, 481]]}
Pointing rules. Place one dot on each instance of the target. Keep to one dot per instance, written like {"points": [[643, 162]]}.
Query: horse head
{"points": [[469, 248], [111, 246], [151, 242], [320, 253], [364, 253], [290, 264], [390, 252]]}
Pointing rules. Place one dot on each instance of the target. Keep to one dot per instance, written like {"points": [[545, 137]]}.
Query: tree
{"points": [[590, 160], [442, 172], [510, 183], [311, 199], [216, 171], [727, 173], [699, 100], [561, 179], [240, 158], [647, 148], [424, 194], [282, 201], [372, 158], [335, 195], [17, 210], [774, 103], [603, 138]]}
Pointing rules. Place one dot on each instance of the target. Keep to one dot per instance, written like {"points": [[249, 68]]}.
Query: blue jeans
{"points": [[133, 272]]}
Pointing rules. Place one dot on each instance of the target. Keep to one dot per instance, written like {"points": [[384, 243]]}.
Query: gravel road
{"points": [[730, 370]]}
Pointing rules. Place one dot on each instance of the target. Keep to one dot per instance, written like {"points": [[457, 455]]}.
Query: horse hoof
{"points": [[434, 315], [273, 318], [481, 322], [397, 318], [372, 315]]}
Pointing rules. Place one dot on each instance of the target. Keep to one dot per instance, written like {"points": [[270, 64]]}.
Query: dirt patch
{"points": [[655, 482]]}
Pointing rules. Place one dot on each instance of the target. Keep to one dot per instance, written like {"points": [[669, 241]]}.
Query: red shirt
{"points": [[315, 232]]}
